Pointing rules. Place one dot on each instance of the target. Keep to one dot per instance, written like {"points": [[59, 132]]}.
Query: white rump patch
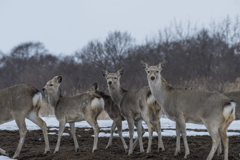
{"points": [[150, 99], [229, 110], [36, 98], [97, 102]]}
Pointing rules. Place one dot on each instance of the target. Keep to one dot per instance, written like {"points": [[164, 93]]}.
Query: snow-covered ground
{"points": [[167, 125]]}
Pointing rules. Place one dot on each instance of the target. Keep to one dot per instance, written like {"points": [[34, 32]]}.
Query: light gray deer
{"points": [[114, 113], [73, 109], [20, 102], [212, 109], [135, 107]]}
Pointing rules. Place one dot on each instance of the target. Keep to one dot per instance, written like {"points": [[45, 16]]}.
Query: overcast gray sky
{"points": [[65, 26]]}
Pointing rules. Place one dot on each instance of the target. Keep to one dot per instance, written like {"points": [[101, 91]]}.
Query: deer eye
{"points": [[50, 85], [157, 71], [148, 71], [115, 78]]}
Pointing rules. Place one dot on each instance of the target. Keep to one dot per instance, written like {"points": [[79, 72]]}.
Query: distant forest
{"points": [[206, 57]]}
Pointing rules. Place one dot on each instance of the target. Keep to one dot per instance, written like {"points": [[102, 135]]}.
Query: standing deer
{"points": [[212, 109], [135, 107], [73, 109], [114, 113], [20, 102]]}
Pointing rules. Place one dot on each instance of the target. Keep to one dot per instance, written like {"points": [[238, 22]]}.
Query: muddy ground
{"points": [[33, 147]]}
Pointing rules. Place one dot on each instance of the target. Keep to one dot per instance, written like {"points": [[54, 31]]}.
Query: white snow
{"points": [[5, 158], [167, 125]]}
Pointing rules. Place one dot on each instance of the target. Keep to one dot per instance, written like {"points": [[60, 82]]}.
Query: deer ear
{"points": [[59, 79], [120, 72], [162, 64], [144, 65], [104, 73], [95, 86]]}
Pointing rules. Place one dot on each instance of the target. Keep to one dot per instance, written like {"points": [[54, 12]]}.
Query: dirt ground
{"points": [[33, 147]]}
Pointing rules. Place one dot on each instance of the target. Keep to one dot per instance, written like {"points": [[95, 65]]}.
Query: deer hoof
{"points": [[177, 154], [77, 150], [160, 149], [55, 151], [186, 157], [126, 150], [15, 157], [7, 153], [94, 151], [48, 152]]}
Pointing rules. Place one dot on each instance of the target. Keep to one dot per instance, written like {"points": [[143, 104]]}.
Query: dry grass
{"points": [[210, 84]]}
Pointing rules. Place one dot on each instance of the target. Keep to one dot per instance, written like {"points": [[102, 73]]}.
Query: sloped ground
{"points": [[33, 147]]}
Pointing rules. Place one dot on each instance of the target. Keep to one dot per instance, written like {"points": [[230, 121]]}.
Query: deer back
{"points": [[17, 99]]}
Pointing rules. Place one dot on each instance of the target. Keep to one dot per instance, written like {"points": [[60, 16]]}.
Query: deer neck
{"points": [[54, 98], [159, 90], [116, 94]]}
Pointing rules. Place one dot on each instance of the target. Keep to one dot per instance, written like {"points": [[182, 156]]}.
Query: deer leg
{"points": [[131, 131], [136, 140], [3, 152], [219, 148], [158, 130], [20, 120], [182, 126], [33, 116], [62, 124], [73, 132], [224, 137], [213, 131], [119, 127], [177, 152], [150, 131], [95, 126], [111, 136], [139, 131]]}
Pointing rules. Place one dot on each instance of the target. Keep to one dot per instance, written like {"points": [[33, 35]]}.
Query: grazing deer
{"points": [[212, 109], [114, 113], [135, 107], [20, 102], [73, 109]]}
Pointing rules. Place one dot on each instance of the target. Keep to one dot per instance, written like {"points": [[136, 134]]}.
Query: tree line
{"points": [[206, 56]]}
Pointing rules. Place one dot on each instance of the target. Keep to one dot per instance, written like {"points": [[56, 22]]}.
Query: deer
{"points": [[114, 113], [212, 109], [73, 109], [135, 106], [18, 103]]}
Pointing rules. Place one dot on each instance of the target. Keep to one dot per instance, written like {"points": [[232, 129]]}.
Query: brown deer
{"points": [[135, 107], [212, 109], [20, 102], [114, 113], [73, 109]]}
